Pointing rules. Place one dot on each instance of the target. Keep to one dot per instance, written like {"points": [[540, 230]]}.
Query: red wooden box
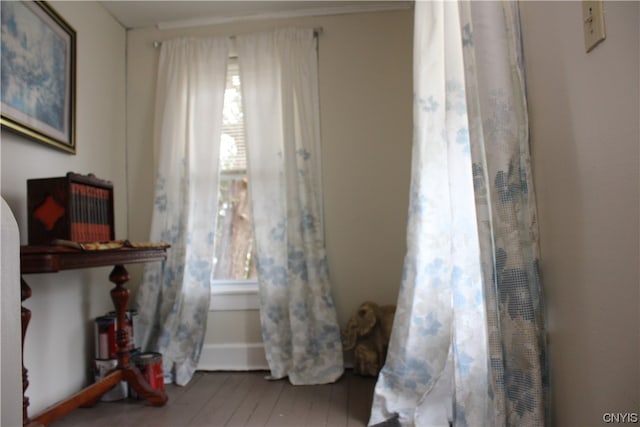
{"points": [[73, 207]]}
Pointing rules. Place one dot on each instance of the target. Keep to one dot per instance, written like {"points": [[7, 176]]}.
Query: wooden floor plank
{"points": [[320, 405], [360, 397], [265, 403], [339, 403], [183, 403], [222, 405], [281, 416], [121, 413], [305, 396], [216, 399], [189, 404], [251, 411]]}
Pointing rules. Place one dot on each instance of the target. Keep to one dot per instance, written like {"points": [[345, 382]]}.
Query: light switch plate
{"points": [[593, 22]]}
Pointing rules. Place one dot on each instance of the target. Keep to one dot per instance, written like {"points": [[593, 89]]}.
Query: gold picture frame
{"points": [[38, 73]]}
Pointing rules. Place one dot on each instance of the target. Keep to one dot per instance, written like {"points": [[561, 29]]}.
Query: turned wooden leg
{"points": [[136, 380], [120, 296], [131, 374], [26, 317]]}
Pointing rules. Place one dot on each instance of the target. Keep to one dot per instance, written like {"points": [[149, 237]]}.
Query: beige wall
{"points": [[59, 340], [584, 117], [365, 102]]}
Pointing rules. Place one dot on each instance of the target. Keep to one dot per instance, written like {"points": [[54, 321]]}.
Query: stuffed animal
{"points": [[367, 333]]}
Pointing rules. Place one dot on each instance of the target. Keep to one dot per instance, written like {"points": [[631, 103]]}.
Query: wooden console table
{"points": [[51, 259]]}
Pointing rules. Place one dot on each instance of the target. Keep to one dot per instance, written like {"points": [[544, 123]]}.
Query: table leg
{"points": [[120, 297], [25, 314], [131, 374]]}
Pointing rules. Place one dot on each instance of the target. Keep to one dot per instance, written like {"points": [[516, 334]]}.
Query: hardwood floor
{"points": [[215, 399]]}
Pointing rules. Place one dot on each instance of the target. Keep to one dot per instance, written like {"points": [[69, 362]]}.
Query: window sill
{"points": [[234, 295]]}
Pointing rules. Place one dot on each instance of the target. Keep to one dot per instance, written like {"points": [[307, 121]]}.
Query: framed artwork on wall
{"points": [[38, 73]]}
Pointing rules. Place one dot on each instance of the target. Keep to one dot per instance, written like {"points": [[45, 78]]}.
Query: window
{"points": [[233, 259]]}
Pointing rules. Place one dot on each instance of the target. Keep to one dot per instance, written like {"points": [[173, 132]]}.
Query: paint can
{"points": [[130, 319], [100, 369], [105, 332], [150, 366]]}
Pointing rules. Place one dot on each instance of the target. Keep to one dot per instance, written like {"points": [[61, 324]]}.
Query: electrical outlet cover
{"points": [[593, 22]]}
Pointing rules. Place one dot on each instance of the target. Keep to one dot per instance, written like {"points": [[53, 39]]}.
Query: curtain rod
{"points": [[317, 31]]}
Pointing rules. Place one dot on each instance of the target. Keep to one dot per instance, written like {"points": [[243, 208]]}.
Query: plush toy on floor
{"points": [[367, 334]]}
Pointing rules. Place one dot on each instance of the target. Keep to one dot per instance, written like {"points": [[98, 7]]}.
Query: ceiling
{"points": [[175, 14]]}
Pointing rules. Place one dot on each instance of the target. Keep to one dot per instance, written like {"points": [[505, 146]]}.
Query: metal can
{"points": [[100, 369], [106, 345], [150, 366], [130, 321]]}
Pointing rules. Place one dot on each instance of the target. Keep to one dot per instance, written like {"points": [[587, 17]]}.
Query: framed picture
{"points": [[38, 73]]}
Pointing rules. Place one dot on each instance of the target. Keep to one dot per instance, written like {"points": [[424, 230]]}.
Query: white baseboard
{"points": [[233, 357], [234, 295]]}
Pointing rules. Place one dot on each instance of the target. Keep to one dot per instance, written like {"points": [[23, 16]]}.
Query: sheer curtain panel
{"points": [[507, 215], [173, 299], [279, 74], [468, 343]]}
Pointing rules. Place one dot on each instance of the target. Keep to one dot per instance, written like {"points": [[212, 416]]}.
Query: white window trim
{"points": [[227, 295]]}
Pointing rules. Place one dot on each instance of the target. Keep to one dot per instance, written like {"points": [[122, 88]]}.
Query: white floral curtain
{"points": [[173, 299], [468, 340], [279, 77], [281, 108]]}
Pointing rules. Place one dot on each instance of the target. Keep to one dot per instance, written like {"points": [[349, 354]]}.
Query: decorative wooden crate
{"points": [[74, 207]]}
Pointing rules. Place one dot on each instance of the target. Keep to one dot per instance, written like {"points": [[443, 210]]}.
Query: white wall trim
{"points": [[323, 11], [233, 357], [235, 295]]}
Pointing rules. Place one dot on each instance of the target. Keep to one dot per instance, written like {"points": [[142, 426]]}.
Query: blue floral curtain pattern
{"points": [[436, 344], [299, 323], [173, 299], [468, 340], [506, 210]]}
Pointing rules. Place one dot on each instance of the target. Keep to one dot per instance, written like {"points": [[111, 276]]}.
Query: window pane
{"points": [[233, 245], [233, 152]]}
